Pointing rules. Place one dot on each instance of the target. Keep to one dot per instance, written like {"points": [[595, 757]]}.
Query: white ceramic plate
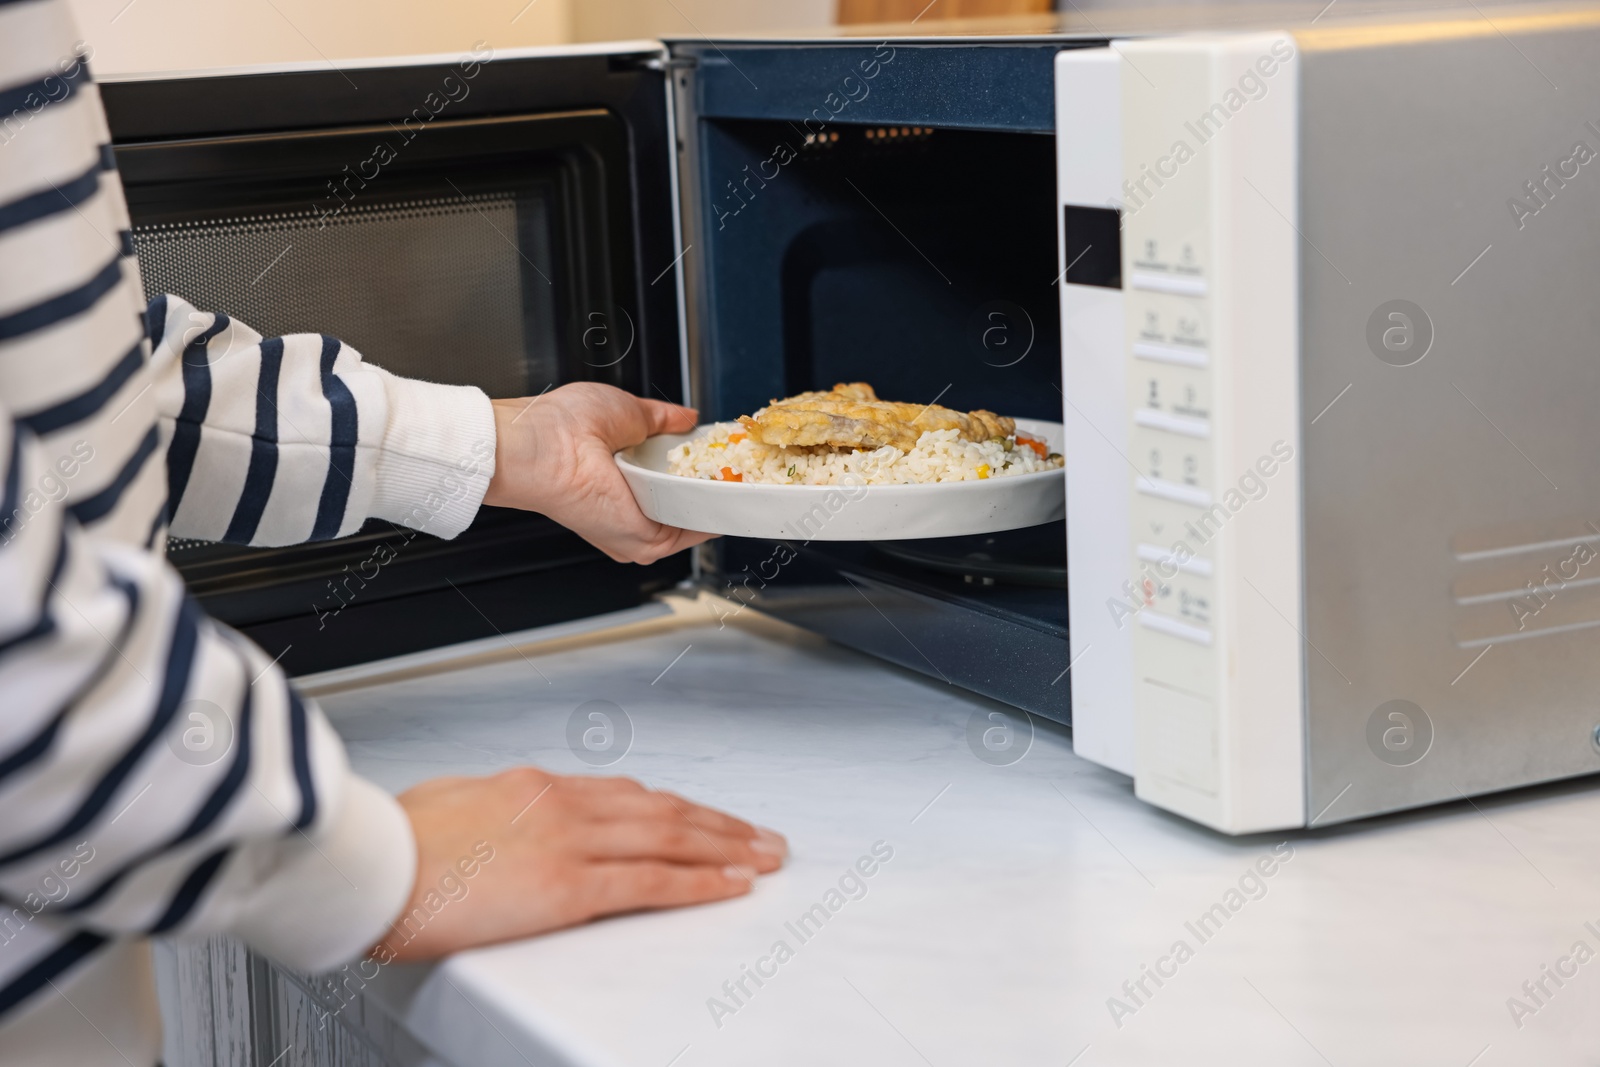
{"points": [[844, 513]]}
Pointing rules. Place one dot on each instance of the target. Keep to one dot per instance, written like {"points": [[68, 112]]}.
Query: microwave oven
{"points": [[1311, 297]]}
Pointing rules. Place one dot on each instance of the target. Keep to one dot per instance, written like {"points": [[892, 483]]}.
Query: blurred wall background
{"points": [[188, 34], [609, 20], [134, 35]]}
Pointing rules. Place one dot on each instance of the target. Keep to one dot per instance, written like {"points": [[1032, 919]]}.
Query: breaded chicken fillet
{"points": [[852, 416]]}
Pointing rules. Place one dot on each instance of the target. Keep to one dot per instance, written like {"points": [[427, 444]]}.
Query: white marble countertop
{"points": [[1018, 901]]}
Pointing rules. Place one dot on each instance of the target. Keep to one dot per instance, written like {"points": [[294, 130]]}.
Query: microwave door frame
{"points": [[311, 99], [175, 109]]}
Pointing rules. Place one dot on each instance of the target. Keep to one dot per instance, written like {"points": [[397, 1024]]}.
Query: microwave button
{"points": [[1183, 357], [1166, 624], [1182, 494], [1162, 420], [1195, 565], [1178, 736], [1178, 285]]}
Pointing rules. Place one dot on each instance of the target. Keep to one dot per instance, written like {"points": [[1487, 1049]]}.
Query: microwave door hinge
{"points": [[668, 63], [674, 98]]}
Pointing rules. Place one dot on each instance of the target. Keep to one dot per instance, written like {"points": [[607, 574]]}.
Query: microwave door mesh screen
{"points": [[444, 289]]}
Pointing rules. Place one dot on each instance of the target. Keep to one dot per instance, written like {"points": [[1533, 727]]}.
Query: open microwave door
{"points": [[504, 220]]}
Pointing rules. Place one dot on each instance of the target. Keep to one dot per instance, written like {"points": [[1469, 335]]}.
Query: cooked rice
{"points": [[939, 456]]}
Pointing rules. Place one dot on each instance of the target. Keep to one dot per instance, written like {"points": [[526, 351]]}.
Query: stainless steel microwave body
{"points": [[1312, 299]]}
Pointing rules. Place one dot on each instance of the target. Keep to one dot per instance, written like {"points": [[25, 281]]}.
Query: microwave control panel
{"points": [[1173, 539], [1197, 688], [1176, 531]]}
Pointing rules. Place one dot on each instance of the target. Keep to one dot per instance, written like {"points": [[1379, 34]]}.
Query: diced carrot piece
{"points": [[735, 438], [1038, 446], [731, 475]]}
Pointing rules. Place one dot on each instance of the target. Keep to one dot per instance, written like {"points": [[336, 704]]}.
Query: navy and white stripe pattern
{"points": [[116, 418]]}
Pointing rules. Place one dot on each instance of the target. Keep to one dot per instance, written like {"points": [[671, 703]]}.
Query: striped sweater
{"points": [[158, 774]]}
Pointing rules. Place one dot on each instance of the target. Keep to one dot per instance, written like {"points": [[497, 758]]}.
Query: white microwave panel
{"points": [[1184, 494]]}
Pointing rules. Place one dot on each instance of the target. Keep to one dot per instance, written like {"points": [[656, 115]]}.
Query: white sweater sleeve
{"points": [[275, 441], [157, 772]]}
